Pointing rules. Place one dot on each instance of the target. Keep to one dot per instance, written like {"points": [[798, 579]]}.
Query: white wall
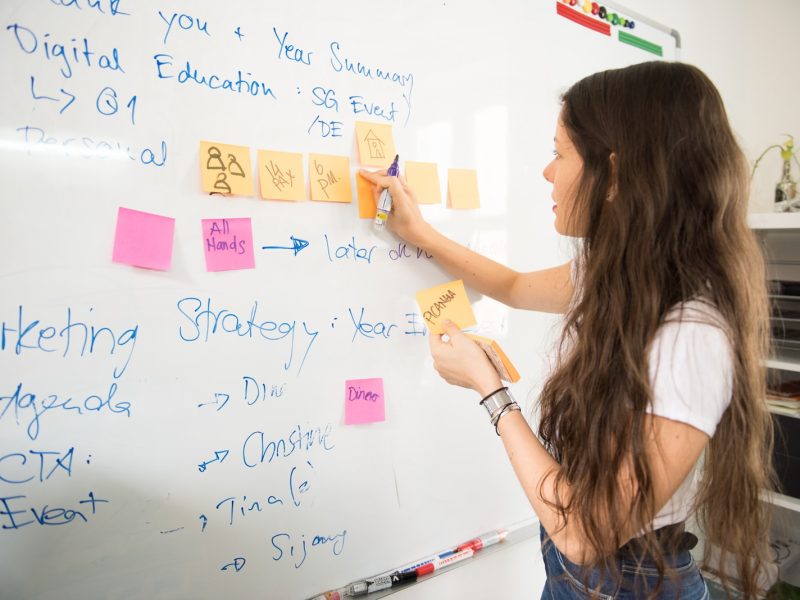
{"points": [[750, 51]]}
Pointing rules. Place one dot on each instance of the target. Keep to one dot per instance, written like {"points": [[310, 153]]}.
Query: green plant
{"points": [[787, 152], [786, 188]]}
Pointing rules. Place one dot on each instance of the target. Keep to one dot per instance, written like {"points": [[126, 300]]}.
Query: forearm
{"points": [[462, 362], [478, 272], [549, 290], [536, 469]]}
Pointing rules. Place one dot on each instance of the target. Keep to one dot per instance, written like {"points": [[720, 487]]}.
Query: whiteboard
{"points": [[180, 433]]}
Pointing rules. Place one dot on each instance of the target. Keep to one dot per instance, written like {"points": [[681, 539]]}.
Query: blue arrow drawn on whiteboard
{"points": [[297, 245], [217, 397], [219, 456], [43, 97]]}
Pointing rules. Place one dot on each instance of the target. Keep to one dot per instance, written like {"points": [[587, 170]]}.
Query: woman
{"points": [[660, 358]]}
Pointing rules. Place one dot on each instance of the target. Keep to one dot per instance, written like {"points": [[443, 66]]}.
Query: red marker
{"points": [[487, 539], [441, 563]]}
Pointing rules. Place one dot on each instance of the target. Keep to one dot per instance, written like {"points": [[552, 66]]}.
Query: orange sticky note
{"points": [[375, 144], [225, 169], [423, 178], [499, 359], [446, 301], [462, 189], [281, 175], [366, 198], [329, 178]]}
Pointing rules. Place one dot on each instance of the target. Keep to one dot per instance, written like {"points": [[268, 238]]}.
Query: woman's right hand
{"points": [[405, 218]]}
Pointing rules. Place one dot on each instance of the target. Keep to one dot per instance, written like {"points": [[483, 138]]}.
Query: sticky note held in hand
{"points": [[446, 301], [499, 359]]}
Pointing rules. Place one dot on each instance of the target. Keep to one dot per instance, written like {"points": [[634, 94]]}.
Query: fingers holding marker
{"points": [[383, 204], [382, 180], [404, 183], [405, 218], [372, 176]]}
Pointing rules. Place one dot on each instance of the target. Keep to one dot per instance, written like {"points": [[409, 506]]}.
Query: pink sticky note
{"points": [[143, 239], [228, 244], [363, 401]]}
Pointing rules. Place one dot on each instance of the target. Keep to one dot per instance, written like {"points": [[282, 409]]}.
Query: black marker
{"points": [[375, 584]]}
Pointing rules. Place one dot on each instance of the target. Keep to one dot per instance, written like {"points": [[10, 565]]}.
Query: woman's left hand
{"points": [[460, 361]]}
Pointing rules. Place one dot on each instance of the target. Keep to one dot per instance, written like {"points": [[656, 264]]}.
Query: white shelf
{"points": [[784, 362], [774, 220], [777, 410], [788, 502]]}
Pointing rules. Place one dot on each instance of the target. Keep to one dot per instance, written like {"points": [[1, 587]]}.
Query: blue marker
{"points": [[385, 200]]}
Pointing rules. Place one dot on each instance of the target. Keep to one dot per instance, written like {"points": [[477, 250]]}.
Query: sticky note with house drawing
{"points": [[375, 144]]}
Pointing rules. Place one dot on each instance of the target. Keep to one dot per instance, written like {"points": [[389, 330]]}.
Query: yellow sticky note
{"points": [[366, 198], [225, 169], [329, 178], [281, 175], [423, 178], [446, 301], [375, 144], [462, 189]]}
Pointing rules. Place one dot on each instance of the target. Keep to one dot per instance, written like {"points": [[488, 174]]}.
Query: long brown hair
{"points": [[666, 223]]}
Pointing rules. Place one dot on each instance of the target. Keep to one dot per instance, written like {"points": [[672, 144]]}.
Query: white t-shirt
{"points": [[691, 373]]}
